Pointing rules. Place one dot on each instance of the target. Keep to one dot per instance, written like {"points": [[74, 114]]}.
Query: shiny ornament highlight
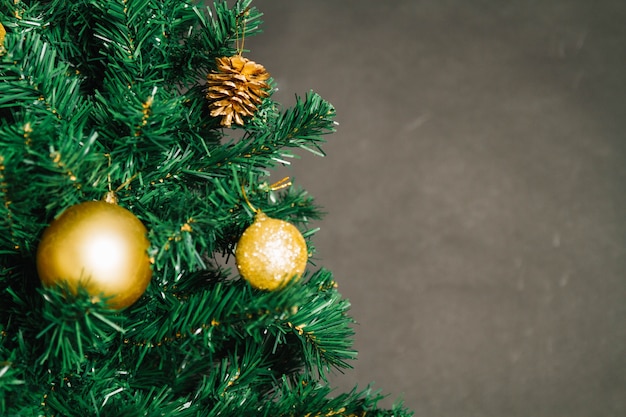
{"points": [[270, 253], [100, 246]]}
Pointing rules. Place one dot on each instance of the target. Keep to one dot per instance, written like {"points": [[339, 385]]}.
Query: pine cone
{"points": [[235, 89]]}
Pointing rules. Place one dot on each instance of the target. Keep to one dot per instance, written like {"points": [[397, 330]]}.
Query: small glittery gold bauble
{"points": [[100, 246], [270, 253]]}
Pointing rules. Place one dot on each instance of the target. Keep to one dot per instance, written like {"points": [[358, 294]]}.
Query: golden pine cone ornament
{"points": [[236, 88]]}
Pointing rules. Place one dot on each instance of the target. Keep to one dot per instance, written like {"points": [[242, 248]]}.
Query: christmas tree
{"points": [[150, 267]]}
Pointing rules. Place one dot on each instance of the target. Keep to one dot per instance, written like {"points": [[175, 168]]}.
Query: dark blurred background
{"points": [[475, 193]]}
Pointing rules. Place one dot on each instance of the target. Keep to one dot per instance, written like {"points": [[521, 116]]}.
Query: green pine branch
{"points": [[109, 95]]}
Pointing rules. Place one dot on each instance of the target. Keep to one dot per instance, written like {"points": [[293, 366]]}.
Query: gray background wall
{"points": [[475, 194]]}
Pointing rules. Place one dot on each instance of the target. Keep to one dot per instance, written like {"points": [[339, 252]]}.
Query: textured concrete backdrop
{"points": [[475, 192]]}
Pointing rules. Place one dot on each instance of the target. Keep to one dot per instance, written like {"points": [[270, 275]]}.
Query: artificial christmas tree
{"points": [[150, 104]]}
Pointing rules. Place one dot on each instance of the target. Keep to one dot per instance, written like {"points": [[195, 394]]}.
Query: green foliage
{"points": [[99, 95]]}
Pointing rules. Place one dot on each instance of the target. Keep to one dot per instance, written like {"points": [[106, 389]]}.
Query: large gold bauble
{"points": [[99, 246], [3, 32], [270, 253]]}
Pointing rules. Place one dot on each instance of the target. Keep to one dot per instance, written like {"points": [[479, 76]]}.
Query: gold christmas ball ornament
{"points": [[270, 253], [99, 246], [2, 33], [235, 89]]}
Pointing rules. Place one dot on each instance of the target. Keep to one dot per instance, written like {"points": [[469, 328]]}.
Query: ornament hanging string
{"points": [[111, 195], [278, 185], [243, 15]]}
